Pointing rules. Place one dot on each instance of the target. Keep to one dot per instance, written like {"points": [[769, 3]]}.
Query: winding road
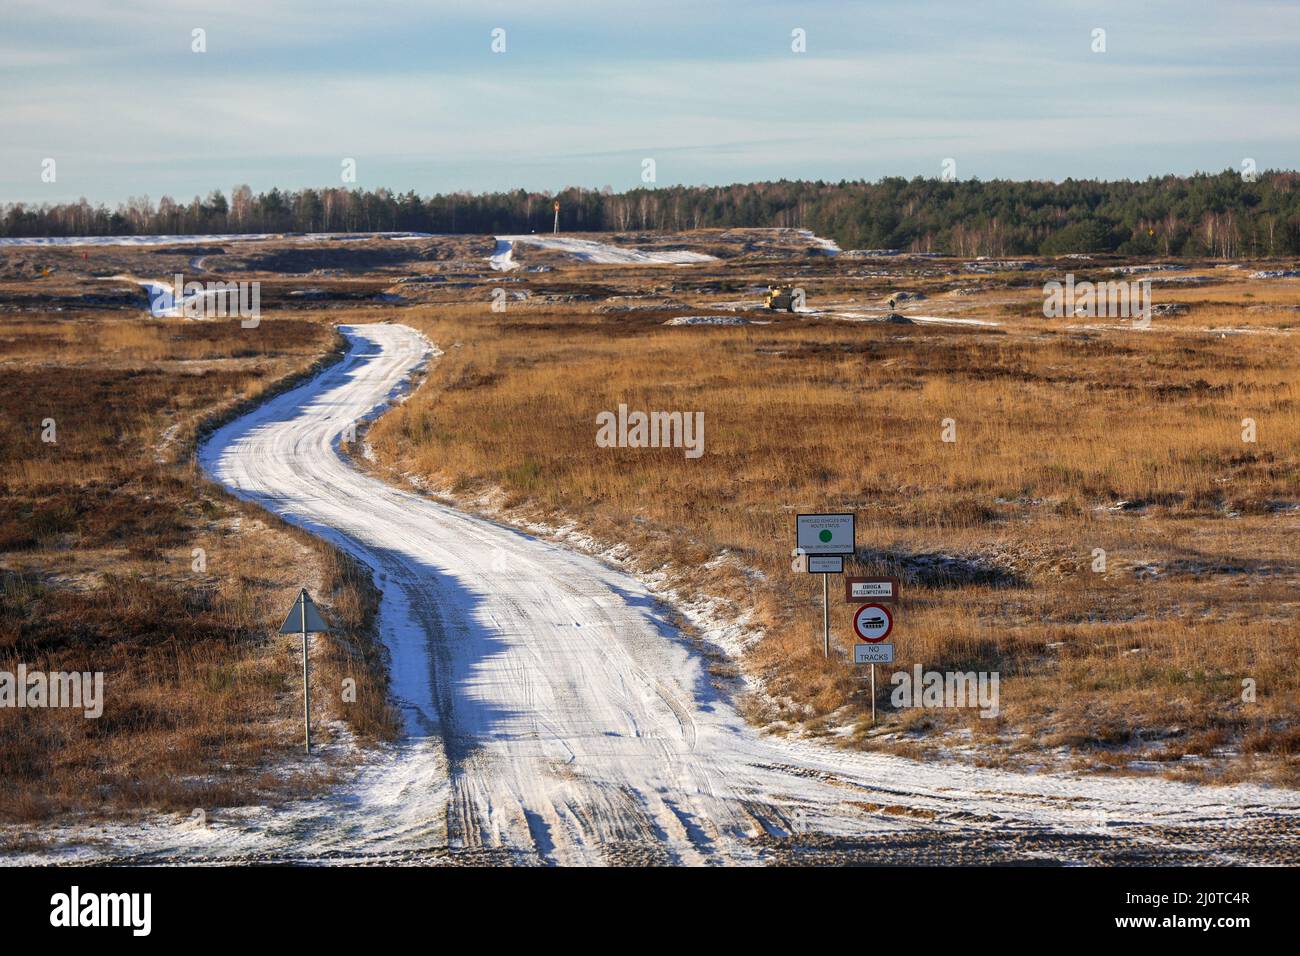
{"points": [[553, 715]]}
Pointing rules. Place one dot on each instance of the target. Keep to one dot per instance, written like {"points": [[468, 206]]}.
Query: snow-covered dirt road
{"points": [[162, 297], [553, 715], [588, 250]]}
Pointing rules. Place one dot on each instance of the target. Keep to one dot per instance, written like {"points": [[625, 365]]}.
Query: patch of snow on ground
{"points": [[189, 239], [828, 246], [503, 256], [950, 320], [708, 320]]}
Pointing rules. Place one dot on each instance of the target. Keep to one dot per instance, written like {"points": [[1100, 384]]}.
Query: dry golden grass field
{"points": [[1077, 439]]}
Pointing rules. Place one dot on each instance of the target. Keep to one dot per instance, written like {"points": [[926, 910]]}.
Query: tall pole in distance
{"points": [[826, 617], [306, 688], [556, 229]]}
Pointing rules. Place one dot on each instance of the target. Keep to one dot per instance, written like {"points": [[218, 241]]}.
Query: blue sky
{"points": [[586, 90]]}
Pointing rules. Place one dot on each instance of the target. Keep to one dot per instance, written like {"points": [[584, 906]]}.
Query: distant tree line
{"points": [[1220, 214]]}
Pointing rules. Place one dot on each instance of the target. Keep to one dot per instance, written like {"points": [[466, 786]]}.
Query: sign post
{"points": [[305, 617], [822, 537], [826, 618], [873, 622]]}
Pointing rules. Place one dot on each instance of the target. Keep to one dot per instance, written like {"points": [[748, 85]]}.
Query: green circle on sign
{"points": [[824, 534]]}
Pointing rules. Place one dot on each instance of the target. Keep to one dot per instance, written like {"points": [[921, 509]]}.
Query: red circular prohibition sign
{"points": [[867, 621]]}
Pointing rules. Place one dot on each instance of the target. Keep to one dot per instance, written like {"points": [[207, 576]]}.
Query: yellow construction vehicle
{"points": [[781, 297]]}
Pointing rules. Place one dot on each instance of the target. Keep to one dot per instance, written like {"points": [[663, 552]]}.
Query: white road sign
{"points": [[826, 564], [882, 590], [873, 653], [824, 534]]}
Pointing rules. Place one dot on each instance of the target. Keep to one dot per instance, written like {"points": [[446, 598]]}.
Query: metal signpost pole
{"points": [[826, 617], [822, 541], [306, 688], [873, 623], [309, 621]]}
